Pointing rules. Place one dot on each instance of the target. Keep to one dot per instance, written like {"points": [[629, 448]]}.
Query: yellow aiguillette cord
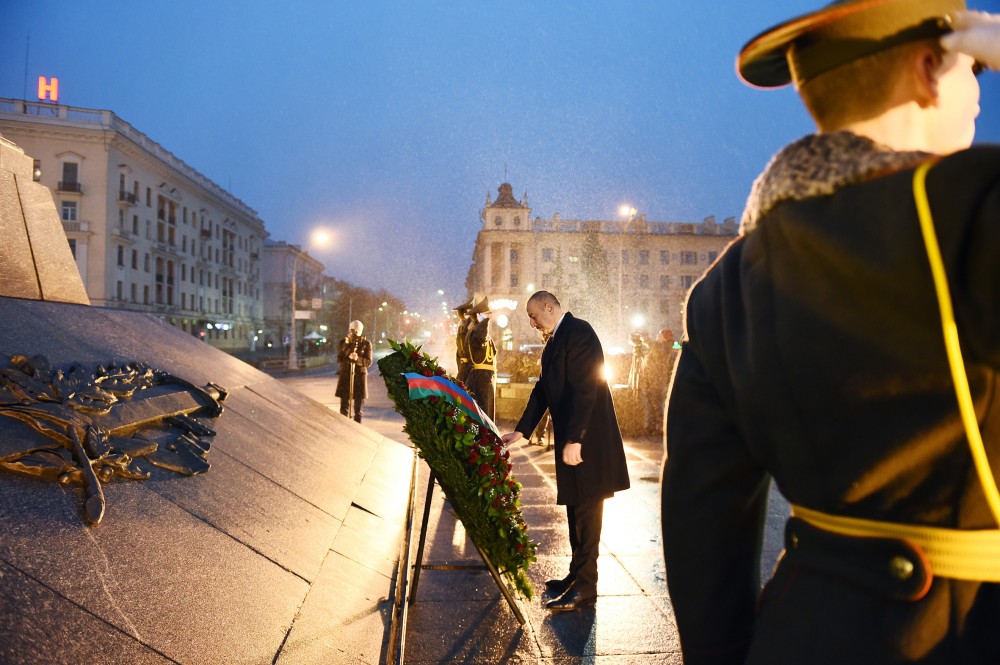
{"points": [[952, 346]]}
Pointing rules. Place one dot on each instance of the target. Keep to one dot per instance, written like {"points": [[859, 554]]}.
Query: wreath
{"points": [[464, 451]]}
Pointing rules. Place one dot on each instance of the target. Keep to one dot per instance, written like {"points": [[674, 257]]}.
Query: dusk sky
{"points": [[390, 122]]}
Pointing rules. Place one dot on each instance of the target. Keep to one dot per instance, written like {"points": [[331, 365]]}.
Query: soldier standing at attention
{"points": [[846, 346], [462, 360], [354, 356], [483, 354]]}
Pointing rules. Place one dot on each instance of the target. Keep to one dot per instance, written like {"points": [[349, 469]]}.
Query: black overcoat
{"points": [[814, 356], [364, 349], [572, 387]]}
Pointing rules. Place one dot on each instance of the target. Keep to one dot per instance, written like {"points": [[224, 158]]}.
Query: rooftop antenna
{"points": [[27, 47]]}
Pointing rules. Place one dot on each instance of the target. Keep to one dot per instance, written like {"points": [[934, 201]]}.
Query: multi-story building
{"points": [[284, 265], [148, 232], [621, 275]]}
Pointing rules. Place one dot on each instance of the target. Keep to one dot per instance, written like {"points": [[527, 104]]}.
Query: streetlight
{"points": [[319, 238], [384, 306], [624, 211]]}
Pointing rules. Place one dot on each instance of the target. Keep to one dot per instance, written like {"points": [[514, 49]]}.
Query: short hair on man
{"points": [[543, 298], [860, 89]]}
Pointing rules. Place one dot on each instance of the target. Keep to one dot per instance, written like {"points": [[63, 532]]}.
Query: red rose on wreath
{"points": [[484, 469], [459, 428], [473, 457]]}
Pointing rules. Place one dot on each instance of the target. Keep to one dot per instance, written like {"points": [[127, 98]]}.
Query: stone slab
{"points": [[213, 599], [346, 606], [19, 277], [262, 515], [296, 454], [24, 640], [214, 568], [58, 274]]}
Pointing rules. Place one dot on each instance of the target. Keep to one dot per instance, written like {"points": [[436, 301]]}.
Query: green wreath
{"points": [[471, 463]]}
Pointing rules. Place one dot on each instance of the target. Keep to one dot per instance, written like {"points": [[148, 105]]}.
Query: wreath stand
{"points": [[418, 565]]}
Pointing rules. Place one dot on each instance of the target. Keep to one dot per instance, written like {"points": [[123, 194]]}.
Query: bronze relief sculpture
{"points": [[89, 425]]}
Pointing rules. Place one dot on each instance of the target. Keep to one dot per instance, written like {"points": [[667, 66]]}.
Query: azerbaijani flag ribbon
{"points": [[421, 387]]}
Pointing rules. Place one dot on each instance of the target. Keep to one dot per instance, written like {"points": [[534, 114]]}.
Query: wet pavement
{"points": [[459, 616]]}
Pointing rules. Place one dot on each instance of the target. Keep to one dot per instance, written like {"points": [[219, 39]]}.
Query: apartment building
{"points": [[148, 232], [621, 275]]}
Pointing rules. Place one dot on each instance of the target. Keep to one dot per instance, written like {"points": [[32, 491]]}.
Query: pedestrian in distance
{"points": [[823, 351], [589, 453], [354, 356]]}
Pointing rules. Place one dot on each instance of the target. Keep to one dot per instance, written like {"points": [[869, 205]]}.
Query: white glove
{"points": [[976, 34]]}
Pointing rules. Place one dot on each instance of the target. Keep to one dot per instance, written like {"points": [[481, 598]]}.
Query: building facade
{"points": [[283, 264], [622, 276], [148, 232]]}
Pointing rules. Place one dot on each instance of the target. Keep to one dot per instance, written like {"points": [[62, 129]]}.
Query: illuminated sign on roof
{"points": [[48, 89]]}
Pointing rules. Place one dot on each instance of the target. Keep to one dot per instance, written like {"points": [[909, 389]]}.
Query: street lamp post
{"points": [[319, 238], [624, 211]]}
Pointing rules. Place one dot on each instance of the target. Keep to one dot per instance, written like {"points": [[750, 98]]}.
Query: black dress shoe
{"points": [[559, 587], [571, 600]]}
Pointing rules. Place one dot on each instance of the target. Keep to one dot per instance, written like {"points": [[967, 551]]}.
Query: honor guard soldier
{"points": [[483, 354], [462, 360], [354, 356], [846, 346]]}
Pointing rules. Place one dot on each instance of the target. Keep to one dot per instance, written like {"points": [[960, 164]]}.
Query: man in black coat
{"points": [[814, 356], [590, 455], [354, 355]]}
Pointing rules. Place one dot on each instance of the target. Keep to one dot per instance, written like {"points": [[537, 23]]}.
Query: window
{"points": [[121, 259], [689, 258], [644, 257], [135, 225], [132, 288], [145, 262], [149, 197], [514, 255], [664, 257], [145, 294], [517, 221], [119, 290], [547, 254], [69, 211], [72, 247], [643, 281], [497, 221], [687, 281], [712, 256], [70, 174], [514, 279], [664, 281]]}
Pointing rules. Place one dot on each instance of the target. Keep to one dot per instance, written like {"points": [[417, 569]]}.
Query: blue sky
{"points": [[389, 122]]}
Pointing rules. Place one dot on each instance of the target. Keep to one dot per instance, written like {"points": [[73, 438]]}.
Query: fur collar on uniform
{"points": [[818, 165]]}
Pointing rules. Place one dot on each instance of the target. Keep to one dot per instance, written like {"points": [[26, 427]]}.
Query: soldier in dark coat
{"points": [[589, 452], [815, 357], [481, 380], [354, 352], [462, 361]]}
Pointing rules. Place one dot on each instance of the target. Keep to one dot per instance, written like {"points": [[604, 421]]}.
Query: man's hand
{"points": [[511, 437], [353, 357], [573, 453], [976, 34]]}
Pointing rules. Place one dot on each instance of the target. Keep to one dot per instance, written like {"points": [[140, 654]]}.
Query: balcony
{"points": [[70, 187], [127, 198]]}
